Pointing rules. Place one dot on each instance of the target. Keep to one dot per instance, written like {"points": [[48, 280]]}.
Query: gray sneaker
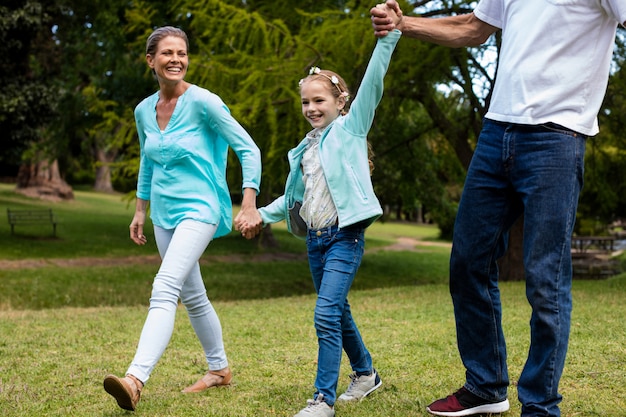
{"points": [[361, 386], [316, 408]]}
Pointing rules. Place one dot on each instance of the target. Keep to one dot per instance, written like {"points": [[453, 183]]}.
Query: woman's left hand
{"points": [[248, 221]]}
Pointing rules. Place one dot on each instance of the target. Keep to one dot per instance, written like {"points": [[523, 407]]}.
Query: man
{"points": [[552, 75]]}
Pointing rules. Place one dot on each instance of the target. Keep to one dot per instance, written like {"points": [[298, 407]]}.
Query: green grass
{"points": [[94, 225], [63, 328]]}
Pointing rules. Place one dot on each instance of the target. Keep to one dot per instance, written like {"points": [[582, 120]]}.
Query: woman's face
{"points": [[170, 61], [319, 106]]}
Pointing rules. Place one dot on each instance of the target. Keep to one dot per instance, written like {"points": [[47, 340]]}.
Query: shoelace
{"points": [[354, 380], [312, 405]]}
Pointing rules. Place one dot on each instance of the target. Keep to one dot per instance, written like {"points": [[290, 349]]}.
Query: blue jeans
{"points": [[334, 257], [535, 172], [179, 276]]}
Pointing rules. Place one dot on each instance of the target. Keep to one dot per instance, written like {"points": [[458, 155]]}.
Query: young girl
{"points": [[329, 181]]}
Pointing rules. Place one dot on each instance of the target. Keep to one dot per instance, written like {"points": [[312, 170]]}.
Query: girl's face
{"points": [[319, 106], [170, 61]]}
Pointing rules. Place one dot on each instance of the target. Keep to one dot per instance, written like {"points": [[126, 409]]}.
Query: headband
{"points": [[333, 79]]}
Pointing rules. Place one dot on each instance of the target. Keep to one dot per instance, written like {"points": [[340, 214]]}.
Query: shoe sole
{"points": [[494, 408], [374, 388], [114, 387]]}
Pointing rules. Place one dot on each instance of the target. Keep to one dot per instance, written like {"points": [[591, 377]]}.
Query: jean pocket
{"points": [[350, 233], [553, 127]]}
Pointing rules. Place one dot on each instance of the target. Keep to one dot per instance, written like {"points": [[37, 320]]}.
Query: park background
{"points": [[78, 69], [71, 307]]}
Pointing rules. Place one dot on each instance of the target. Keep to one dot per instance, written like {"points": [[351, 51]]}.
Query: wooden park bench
{"points": [[593, 244], [42, 216], [592, 257]]}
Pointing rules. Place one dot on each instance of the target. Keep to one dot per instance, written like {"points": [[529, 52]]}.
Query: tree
{"points": [[255, 61], [470, 70], [101, 81], [603, 198], [53, 51], [468, 75], [27, 100], [423, 135]]}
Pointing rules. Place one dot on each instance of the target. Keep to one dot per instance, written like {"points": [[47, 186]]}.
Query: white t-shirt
{"points": [[555, 58]]}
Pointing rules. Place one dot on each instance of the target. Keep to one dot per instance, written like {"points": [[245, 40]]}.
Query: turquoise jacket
{"points": [[343, 152], [182, 169]]}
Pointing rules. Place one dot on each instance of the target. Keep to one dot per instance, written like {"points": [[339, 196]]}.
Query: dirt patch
{"points": [[408, 244], [401, 244], [140, 260]]}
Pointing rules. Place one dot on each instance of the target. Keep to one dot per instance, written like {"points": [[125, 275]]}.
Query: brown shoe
{"points": [[126, 391], [211, 379]]}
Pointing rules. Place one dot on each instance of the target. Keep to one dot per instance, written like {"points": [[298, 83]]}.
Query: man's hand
{"points": [[386, 17]]}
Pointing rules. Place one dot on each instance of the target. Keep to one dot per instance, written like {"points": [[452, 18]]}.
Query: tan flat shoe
{"points": [[211, 379], [126, 391]]}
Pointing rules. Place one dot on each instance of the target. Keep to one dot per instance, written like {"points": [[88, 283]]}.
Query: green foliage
{"points": [[72, 59], [103, 79], [27, 100], [603, 195], [255, 62]]}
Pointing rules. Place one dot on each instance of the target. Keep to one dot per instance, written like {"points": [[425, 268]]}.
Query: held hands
{"points": [[248, 222], [386, 17]]}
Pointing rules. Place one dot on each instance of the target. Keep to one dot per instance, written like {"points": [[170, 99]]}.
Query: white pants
{"points": [[179, 276]]}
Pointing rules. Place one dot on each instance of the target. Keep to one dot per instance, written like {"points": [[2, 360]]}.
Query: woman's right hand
{"points": [[136, 225]]}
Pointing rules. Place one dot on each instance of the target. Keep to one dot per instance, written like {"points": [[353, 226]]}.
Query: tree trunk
{"points": [[103, 171], [43, 180], [267, 238], [511, 265]]}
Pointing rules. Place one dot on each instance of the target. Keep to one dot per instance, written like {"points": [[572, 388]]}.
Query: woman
{"points": [[184, 134]]}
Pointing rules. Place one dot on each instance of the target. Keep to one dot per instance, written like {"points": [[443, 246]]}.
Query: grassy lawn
{"points": [[64, 326]]}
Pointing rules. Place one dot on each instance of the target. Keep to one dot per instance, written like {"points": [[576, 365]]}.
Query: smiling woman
{"points": [[184, 132], [166, 54]]}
